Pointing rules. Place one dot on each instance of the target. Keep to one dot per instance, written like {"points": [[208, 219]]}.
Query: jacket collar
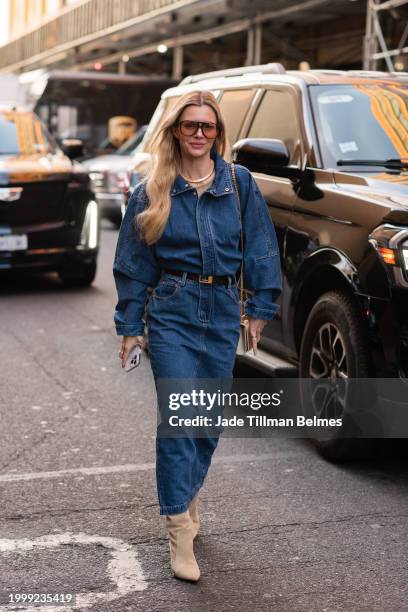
{"points": [[222, 184]]}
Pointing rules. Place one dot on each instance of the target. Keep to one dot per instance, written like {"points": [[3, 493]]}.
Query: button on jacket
{"points": [[202, 235]]}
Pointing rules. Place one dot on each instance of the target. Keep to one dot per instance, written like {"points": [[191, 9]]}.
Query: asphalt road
{"points": [[281, 528]]}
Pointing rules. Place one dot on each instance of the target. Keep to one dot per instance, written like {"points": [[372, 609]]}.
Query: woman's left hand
{"points": [[255, 327]]}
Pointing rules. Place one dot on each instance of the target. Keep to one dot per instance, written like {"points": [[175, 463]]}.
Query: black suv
{"points": [[329, 151], [49, 220]]}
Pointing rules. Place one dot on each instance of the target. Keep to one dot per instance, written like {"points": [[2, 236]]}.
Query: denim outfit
{"points": [[193, 327]]}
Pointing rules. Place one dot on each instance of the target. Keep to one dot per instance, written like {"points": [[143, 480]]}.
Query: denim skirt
{"points": [[193, 332]]}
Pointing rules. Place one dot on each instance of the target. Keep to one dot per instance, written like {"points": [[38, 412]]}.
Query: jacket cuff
{"points": [[261, 313], [131, 329]]}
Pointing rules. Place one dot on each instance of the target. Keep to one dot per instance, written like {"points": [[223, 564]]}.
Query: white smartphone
{"points": [[133, 358]]}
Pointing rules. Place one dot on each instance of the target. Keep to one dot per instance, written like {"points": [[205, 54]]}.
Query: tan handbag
{"points": [[244, 342]]}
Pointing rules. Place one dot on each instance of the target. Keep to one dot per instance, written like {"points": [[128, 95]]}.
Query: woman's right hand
{"points": [[128, 342]]}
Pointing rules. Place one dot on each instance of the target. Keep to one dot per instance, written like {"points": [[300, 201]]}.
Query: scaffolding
{"points": [[117, 32], [375, 45]]}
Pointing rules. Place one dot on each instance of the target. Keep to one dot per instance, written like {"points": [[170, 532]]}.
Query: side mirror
{"points": [[72, 147], [261, 154]]}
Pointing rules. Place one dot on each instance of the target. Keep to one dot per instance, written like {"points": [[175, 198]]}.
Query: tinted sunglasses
{"points": [[189, 128]]}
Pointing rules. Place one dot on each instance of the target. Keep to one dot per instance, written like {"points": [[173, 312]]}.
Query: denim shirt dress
{"points": [[193, 327]]}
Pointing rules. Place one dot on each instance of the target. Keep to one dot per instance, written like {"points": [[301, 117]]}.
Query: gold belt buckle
{"points": [[205, 279]]}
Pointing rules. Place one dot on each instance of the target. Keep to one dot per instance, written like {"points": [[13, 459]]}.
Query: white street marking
{"points": [[136, 467], [124, 569], [90, 471]]}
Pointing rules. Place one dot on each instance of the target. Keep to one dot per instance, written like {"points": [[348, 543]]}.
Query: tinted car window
{"points": [[234, 106], [362, 121], [276, 117], [22, 133]]}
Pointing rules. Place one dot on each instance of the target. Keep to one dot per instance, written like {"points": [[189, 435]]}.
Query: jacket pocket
{"points": [[166, 289], [233, 293]]}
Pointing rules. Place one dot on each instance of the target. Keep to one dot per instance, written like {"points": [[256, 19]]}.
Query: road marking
{"points": [[86, 471], [124, 569], [136, 467]]}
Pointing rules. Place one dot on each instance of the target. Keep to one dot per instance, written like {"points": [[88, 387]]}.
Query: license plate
{"points": [[13, 242]]}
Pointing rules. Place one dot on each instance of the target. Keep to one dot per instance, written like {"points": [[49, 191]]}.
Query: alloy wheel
{"points": [[329, 364]]}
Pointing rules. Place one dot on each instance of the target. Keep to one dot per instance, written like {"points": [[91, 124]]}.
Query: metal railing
{"points": [[77, 25]]}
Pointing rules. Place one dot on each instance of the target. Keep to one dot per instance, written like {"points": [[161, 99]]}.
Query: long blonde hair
{"points": [[166, 164]]}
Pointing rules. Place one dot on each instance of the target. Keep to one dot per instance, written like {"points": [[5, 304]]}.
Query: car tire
{"points": [[80, 275], [336, 320]]}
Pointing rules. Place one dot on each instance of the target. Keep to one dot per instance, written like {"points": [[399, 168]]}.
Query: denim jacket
{"points": [[203, 236]]}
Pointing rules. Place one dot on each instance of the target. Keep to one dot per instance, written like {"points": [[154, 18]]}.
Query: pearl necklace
{"points": [[201, 180]]}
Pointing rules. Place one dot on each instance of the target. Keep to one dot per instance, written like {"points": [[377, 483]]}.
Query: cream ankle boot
{"points": [[181, 535], [193, 510]]}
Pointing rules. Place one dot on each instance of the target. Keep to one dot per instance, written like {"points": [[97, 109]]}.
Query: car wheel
{"points": [[334, 346], [80, 275]]}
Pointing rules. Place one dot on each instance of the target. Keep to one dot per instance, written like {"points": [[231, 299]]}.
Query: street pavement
{"points": [[282, 529]]}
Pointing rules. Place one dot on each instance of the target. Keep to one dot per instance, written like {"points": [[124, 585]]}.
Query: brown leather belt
{"points": [[207, 280]]}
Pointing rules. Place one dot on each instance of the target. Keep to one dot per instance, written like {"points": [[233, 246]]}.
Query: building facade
{"points": [[24, 16], [179, 37]]}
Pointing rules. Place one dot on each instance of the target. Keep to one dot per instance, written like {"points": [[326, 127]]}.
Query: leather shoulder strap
{"points": [[241, 277]]}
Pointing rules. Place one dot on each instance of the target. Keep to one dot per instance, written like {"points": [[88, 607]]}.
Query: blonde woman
{"points": [[181, 235]]}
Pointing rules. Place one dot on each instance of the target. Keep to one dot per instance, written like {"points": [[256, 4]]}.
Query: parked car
{"points": [[108, 174], [329, 151], [49, 219]]}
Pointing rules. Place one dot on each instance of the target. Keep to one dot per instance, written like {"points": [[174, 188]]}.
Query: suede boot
{"points": [[181, 535], [193, 510]]}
